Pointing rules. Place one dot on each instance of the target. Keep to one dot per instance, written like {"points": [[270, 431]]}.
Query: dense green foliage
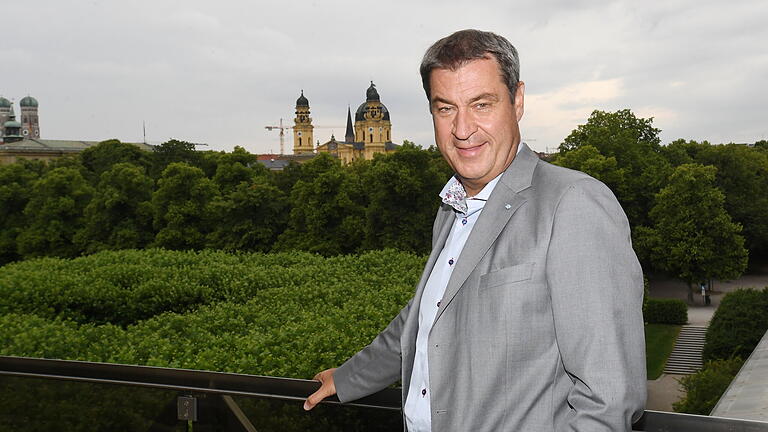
{"points": [[287, 314], [704, 388], [627, 158], [687, 220], [742, 175], [114, 196], [54, 213], [659, 342], [665, 311], [693, 236], [739, 323], [120, 213]]}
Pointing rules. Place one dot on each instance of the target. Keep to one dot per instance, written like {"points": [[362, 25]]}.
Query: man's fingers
{"points": [[315, 398], [327, 388]]}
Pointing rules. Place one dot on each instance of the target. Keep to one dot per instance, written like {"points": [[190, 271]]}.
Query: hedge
{"points": [[303, 322], [706, 387], [665, 311], [125, 287], [738, 324]]}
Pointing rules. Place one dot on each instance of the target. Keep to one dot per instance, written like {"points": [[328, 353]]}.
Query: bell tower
{"points": [[372, 124], [303, 142], [5, 113], [30, 122]]}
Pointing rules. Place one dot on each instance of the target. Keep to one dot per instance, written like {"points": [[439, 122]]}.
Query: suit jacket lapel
{"points": [[502, 204]]}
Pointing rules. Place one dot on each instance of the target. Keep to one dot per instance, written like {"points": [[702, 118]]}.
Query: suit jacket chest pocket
{"points": [[513, 313], [507, 276]]}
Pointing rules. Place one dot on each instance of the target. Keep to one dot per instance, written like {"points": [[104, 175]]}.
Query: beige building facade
{"points": [[371, 132]]}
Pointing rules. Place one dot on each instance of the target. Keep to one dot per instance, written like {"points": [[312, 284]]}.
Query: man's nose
{"points": [[463, 125]]}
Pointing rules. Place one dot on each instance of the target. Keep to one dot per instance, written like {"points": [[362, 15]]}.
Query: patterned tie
{"points": [[456, 196]]}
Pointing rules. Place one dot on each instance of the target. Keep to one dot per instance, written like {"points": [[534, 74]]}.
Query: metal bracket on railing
{"points": [[186, 407]]}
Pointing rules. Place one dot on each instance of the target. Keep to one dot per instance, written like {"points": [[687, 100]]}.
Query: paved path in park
{"points": [[665, 390]]}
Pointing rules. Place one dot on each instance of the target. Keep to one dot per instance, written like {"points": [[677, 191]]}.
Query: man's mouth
{"points": [[472, 150]]}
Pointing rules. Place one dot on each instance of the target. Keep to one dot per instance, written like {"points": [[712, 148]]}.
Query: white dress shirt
{"points": [[417, 406]]}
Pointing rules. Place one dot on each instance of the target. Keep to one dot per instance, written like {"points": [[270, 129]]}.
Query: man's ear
{"points": [[519, 100]]}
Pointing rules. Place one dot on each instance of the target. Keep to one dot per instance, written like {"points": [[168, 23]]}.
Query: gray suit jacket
{"points": [[540, 327]]}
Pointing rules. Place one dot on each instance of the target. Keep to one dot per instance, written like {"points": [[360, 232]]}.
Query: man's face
{"points": [[476, 122]]}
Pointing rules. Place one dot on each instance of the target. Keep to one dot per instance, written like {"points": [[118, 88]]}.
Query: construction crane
{"points": [[282, 128], [282, 134]]}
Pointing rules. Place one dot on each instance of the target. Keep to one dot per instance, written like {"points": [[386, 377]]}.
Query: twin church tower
{"points": [[12, 130], [370, 134]]}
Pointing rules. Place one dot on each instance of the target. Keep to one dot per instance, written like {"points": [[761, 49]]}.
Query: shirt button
{"points": [[450, 261], [423, 392], [464, 221], [438, 304]]}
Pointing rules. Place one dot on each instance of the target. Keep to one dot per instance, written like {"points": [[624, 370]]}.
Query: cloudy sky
{"points": [[218, 72]]}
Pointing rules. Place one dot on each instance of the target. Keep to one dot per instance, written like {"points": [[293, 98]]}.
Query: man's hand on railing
{"points": [[327, 388]]}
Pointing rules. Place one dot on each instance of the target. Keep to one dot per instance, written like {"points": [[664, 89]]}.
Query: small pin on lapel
{"points": [[508, 206]]}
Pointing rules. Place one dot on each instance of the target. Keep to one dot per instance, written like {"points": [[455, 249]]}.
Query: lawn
{"points": [[659, 341]]}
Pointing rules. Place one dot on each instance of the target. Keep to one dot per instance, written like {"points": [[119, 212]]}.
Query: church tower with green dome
{"points": [[5, 113], [11, 129], [30, 121], [302, 128]]}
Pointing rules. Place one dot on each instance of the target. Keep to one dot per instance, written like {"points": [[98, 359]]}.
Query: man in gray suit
{"points": [[528, 314]]}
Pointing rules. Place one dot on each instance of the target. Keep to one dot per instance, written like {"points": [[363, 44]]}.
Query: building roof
{"points": [[334, 144], [350, 135], [371, 94], [278, 162], [37, 144], [28, 101], [275, 164], [302, 101], [360, 113], [747, 395], [4, 103]]}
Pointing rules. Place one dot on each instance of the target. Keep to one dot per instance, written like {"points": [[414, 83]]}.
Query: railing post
{"points": [[186, 407]]}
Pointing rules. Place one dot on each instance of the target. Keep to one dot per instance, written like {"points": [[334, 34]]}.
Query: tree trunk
{"points": [[690, 292]]}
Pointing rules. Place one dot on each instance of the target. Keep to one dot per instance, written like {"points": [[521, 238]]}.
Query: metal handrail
{"points": [[230, 384], [184, 380]]}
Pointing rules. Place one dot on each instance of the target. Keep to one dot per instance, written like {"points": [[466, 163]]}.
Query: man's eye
{"points": [[482, 105], [443, 110]]}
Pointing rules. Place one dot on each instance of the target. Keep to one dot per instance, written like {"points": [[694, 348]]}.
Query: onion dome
{"points": [[302, 101], [371, 94], [28, 101], [4, 103]]}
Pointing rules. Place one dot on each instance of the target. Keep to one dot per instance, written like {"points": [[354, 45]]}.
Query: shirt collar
{"points": [[455, 195]]}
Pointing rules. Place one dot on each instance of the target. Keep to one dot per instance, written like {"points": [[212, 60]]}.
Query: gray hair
{"points": [[460, 48]]}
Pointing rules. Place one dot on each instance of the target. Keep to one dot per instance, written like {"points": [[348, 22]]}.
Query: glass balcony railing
{"points": [[46, 395]]}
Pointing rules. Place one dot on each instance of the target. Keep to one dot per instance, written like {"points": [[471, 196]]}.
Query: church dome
{"points": [[11, 124], [371, 94], [302, 101], [360, 113], [28, 101], [4, 103]]}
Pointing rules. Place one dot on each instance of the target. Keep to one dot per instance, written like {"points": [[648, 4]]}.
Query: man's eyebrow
{"points": [[438, 99], [490, 96]]}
